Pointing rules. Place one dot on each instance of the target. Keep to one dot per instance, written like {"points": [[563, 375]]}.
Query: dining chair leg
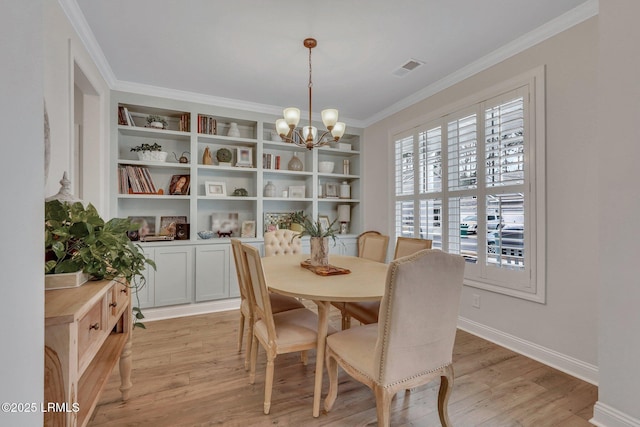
{"points": [[247, 356], [254, 359], [268, 384], [383, 405], [304, 357], [346, 321], [240, 332], [446, 385], [332, 394]]}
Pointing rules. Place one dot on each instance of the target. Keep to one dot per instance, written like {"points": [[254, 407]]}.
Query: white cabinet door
{"points": [[145, 296], [212, 272], [174, 275], [349, 246]]}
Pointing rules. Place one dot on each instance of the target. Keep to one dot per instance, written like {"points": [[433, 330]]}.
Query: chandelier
{"points": [[307, 136]]}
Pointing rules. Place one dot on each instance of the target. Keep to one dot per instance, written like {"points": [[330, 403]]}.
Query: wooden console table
{"points": [[87, 330]]}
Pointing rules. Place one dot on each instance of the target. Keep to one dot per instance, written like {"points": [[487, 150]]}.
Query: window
{"points": [[472, 181]]}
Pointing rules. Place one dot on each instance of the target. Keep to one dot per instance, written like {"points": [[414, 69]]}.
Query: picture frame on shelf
{"points": [[248, 229], [179, 185], [331, 190], [297, 191], [324, 222], [168, 224], [215, 189], [274, 220], [147, 227], [244, 157], [225, 224]]}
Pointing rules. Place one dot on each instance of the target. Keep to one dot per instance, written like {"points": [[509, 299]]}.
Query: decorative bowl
{"points": [[152, 156], [207, 234], [325, 167]]}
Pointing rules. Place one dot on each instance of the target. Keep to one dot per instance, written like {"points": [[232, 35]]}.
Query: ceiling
{"points": [[251, 51]]}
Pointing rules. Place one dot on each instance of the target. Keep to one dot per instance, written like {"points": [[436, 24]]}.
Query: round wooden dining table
{"points": [[366, 282]]}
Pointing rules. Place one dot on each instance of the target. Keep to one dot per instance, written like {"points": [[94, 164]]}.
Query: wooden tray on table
{"points": [[324, 270]]}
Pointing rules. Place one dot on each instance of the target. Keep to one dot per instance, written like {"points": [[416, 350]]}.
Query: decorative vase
{"points": [[233, 130], [269, 190], [295, 164], [207, 158], [319, 251], [345, 190]]}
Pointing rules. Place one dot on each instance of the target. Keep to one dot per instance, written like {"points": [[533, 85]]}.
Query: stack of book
{"points": [[135, 180], [184, 125], [270, 161], [206, 124]]}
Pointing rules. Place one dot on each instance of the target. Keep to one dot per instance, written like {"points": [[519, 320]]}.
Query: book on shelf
{"points": [[207, 124], [135, 180], [124, 117], [270, 161], [184, 125]]}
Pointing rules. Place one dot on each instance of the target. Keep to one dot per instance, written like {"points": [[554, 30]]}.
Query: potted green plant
{"points": [[150, 152], [156, 121], [78, 239], [319, 239]]}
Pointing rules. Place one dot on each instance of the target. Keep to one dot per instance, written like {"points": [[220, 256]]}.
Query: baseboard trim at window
{"points": [[162, 313], [606, 416], [567, 364]]}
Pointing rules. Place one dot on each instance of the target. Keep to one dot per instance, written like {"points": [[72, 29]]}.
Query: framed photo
{"points": [[216, 189], [168, 224], [147, 227], [297, 191], [248, 229], [331, 190], [243, 157], [275, 220], [324, 222], [225, 224], [179, 185]]}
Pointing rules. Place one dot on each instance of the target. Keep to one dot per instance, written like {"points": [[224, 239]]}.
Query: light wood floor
{"points": [[186, 372]]}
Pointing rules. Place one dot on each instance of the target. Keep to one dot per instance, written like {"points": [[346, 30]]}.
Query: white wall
{"points": [[63, 52], [619, 210], [22, 212], [567, 323]]}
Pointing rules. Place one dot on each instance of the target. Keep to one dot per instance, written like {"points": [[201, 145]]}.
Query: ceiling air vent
{"points": [[407, 67]]}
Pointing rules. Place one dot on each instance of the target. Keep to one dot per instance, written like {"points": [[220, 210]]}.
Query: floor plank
{"points": [[187, 372]]}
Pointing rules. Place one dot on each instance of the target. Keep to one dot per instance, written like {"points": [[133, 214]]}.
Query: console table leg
{"points": [[125, 370]]}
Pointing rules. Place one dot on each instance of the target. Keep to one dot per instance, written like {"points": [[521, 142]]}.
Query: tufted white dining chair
{"points": [[279, 303], [413, 342], [281, 242]]}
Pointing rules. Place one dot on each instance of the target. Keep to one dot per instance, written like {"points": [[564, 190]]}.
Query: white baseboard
{"points": [[574, 367], [161, 313], [606, 416]]}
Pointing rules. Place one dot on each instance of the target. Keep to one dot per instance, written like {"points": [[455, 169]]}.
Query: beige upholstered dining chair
{"points": [[281, 242], [371, 245], [367, 311], [413, 342], [286, 332], [279, 303]]}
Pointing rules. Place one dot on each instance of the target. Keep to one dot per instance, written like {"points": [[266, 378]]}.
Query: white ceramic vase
{"points": [[319, 251]]}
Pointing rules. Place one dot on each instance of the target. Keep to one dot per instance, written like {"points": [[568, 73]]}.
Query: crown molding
{"points": [[562, 23], [80, 25]]}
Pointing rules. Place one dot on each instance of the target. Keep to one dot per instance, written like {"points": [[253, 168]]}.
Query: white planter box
{"points": [[152, 156]]}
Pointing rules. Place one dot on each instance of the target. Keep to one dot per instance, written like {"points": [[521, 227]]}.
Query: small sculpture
{"points": [[225, 233], [207, 158]]}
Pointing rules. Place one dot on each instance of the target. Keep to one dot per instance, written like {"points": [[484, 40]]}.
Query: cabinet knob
{"points": [[113, 304], [95, 326]]}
